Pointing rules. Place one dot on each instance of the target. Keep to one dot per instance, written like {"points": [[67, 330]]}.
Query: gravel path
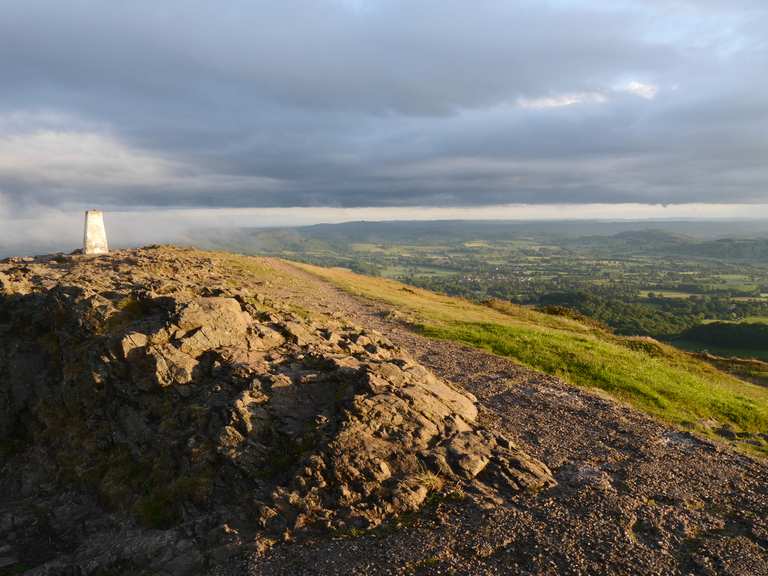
{"points": [[634, 496]]}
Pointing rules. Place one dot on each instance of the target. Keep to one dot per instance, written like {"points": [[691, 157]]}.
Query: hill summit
{"points": [[166, 409]]}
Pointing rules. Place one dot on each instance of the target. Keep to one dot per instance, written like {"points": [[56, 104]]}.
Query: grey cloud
{"points": [[420, 57], [382, 103]]}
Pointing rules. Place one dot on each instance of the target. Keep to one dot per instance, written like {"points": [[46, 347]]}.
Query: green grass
{"points": [[750, 369], [656, 378], [756, 319], [658, 385], [665, 293]]}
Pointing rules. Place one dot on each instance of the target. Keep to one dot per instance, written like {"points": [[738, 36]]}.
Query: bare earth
{"points": [[634, 496]]}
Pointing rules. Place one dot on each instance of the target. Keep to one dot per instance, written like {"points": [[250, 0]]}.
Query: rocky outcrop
{"points": [[188, 407]]}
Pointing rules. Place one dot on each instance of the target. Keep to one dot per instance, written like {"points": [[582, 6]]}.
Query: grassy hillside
{"points": [[654, 377]]}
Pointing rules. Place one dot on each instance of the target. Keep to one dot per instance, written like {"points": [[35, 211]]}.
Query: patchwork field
{"points": [[654, 282]]}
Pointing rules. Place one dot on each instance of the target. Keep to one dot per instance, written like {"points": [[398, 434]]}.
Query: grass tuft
{"points": [[431, 481]]}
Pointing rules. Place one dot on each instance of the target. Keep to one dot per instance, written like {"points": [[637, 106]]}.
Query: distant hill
{"points": [[694, 239], [659, 241]]}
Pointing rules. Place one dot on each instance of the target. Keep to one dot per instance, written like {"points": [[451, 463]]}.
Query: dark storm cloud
{"points": [[382, 102]]}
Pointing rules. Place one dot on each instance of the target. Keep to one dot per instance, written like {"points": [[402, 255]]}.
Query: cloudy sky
{"points": [[380, 103]]}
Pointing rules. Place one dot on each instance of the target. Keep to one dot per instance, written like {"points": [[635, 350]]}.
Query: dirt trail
{"points": [[634, 496]]}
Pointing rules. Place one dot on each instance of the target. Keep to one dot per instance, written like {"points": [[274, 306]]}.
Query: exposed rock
{"points": [[198, 405]]}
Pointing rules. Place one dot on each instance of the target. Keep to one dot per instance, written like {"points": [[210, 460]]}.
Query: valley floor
{"points": [[634, 496]]}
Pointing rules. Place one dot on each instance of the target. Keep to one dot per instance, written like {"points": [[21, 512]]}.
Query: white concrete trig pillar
{"points": [[95, 237]]}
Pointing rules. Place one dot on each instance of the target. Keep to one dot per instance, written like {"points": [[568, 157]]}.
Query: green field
{"points": [[664, 293], [758, 353], [654, 377]]}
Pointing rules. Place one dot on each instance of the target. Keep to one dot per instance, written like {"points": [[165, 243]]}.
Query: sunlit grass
{"points": [[654, 377]]}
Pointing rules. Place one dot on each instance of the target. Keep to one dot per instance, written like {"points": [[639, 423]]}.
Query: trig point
{"points": [[95, 237]]}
